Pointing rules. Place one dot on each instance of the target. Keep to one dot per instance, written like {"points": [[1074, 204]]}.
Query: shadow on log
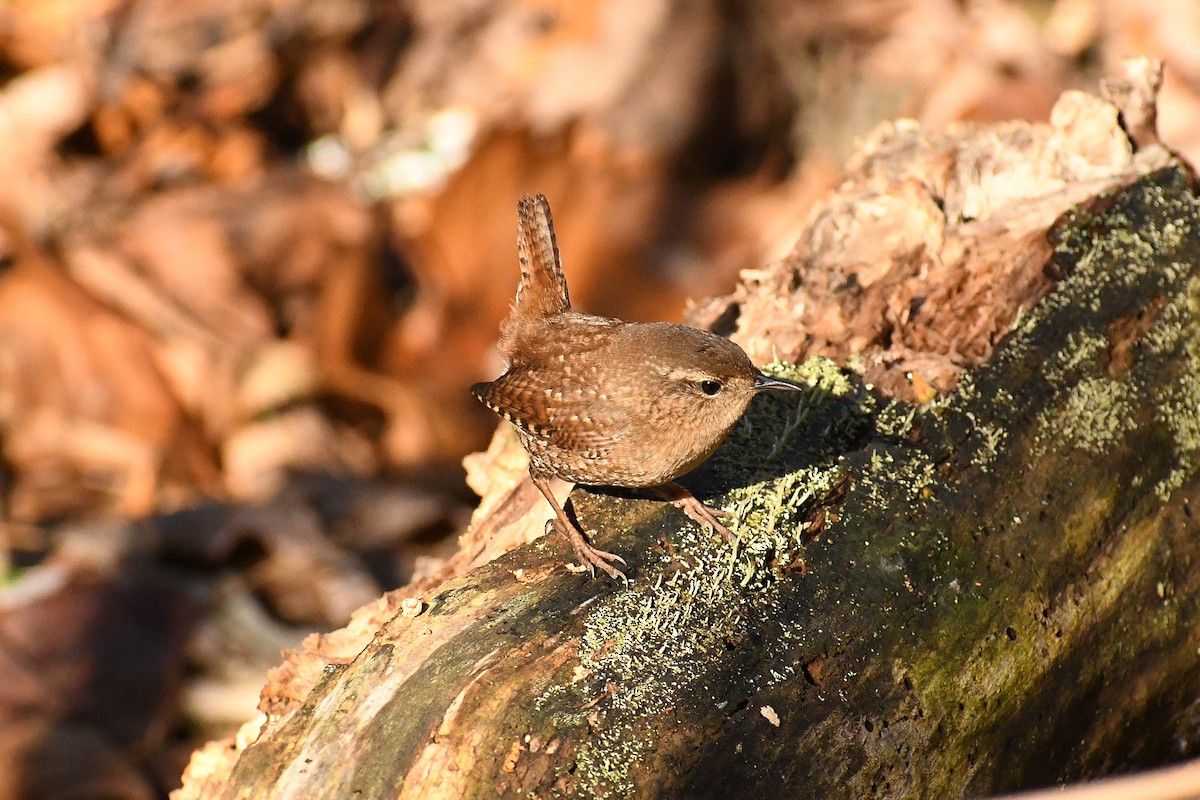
{"points": [[990, 591]]}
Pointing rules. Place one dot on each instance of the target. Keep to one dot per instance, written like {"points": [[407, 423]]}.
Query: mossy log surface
{"points": [[992, 591]]}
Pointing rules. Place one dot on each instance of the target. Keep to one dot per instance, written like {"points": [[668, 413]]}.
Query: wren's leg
{"points": [[697, 512], [589, 556]]}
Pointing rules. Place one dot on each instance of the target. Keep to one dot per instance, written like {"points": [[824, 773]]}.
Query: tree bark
{"points": [[982, 592], [989, 592]]}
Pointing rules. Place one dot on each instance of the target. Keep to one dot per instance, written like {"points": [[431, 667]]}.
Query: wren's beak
{"points": [[762, 382]]}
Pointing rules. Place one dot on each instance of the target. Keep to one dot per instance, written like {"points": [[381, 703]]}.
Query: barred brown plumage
{"points": [[610, 403]]}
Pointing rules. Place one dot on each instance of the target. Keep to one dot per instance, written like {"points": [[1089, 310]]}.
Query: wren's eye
{"points": [[710, 388]]}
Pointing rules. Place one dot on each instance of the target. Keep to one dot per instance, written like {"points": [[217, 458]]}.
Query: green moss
{"points": [[1089, 413], [1092, 412], [1095, 413], [1021, 653], [653, 646], [781, 469], [769, 525], [1170, 329]]}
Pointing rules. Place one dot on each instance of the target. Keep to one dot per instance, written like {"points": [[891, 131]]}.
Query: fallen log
{"points": [[988, 591]]}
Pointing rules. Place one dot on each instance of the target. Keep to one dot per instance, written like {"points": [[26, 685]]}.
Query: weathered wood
{"points": [[993, 591]]}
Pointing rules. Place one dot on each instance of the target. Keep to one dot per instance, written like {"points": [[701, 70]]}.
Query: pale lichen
{"points": [[991, 437], [1179, 402], [779, 469], [1093, 414], [654, 639], [653, 646], [1078, 354], [604, 762]]}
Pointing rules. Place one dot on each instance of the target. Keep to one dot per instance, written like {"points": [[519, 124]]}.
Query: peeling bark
{"points": [[989, 592]]}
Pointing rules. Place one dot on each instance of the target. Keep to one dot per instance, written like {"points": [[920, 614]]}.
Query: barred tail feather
{"points": [[543, 289]]}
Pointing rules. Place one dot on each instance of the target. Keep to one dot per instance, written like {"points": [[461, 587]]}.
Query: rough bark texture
{"points": [[988, 591], [1001, 598]]}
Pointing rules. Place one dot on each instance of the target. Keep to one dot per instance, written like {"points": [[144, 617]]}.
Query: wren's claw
{"points": [[598, 558], [696, 511], [704, 516], [590, 557]]}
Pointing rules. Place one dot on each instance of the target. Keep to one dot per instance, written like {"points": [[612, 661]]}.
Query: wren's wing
{"points": [[560, 416], [543, 289]]}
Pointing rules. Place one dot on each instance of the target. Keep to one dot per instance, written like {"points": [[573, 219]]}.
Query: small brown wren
{"points": [[604, 402]]}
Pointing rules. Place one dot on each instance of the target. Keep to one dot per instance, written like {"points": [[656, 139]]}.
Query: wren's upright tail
{"points": [[543, 289]]}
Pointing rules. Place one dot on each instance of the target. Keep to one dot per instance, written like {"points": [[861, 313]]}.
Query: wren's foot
{"points": [[704, 516], [590, 557], [696, 511]]}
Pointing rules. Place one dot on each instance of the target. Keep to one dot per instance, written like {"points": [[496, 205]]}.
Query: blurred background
{"points": [[253, 252]]}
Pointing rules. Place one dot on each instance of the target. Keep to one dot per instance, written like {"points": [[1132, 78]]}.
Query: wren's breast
{"points": [[665, 458]]}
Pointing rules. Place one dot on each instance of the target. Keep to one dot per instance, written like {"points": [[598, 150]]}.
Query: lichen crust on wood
{"points": [[920, 599]]}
